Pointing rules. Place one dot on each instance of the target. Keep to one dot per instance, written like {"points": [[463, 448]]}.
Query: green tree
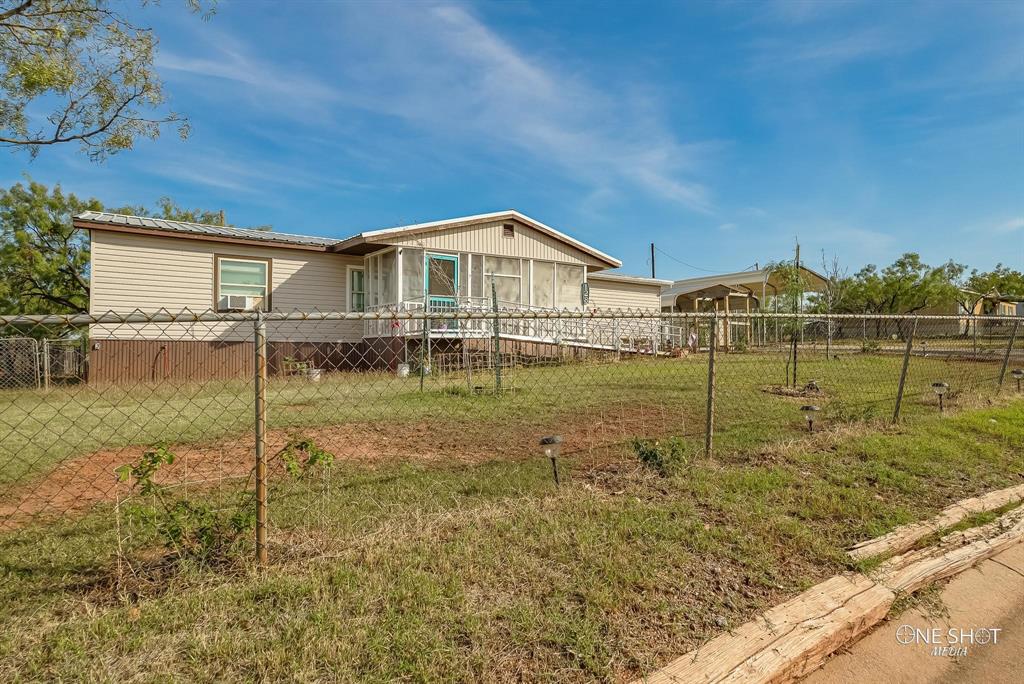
{"points": [[79, 71], [1001, 281], [168, 209], [44, 261], [906, 286]]}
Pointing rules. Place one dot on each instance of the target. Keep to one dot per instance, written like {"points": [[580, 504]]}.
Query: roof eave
{"points": [[368, 236], [226, 239]]}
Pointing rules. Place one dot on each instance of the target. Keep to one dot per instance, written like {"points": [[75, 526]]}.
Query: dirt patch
{"points": [[81, 482], [810, 390]]}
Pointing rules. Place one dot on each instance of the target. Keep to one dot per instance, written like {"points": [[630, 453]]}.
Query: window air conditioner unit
{"points": [[243, 302]]}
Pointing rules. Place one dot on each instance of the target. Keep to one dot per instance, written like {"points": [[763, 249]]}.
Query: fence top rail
{"points": [[188, 316]]}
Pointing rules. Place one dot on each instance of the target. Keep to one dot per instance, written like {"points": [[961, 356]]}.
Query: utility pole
{"points": [[652, 261], [800, 282], [797, 306], [221, 217]]}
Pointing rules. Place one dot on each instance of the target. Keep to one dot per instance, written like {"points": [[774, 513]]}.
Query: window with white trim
{"points": [[243, 284], [356, 289]]}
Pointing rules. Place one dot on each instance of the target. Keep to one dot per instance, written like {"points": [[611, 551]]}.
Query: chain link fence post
{"points": [[796, 324], [497, 339], [709, 425], [1006, 356], [260, 384], [46, 364], [903, 373]]}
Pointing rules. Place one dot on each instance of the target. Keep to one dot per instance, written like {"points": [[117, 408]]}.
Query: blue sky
{"points": [[718, 130]]}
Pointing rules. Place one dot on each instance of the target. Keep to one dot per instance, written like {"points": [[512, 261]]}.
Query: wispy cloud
{"points": [[479, 81], [444, 72], [822, 51], [242, 176], [229, 63], [1010, 226], [803, 11]]}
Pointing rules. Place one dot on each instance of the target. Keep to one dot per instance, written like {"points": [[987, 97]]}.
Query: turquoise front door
{"points": [[442, 274]]}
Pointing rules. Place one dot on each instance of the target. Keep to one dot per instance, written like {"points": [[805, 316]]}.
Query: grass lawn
{"points": [[40, 430], [484, 571]]}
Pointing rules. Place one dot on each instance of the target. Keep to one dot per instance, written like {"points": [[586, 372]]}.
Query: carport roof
{"points": [[747, 282]]}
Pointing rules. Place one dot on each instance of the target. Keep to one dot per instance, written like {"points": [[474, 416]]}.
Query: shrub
{"points": [[663, 456], [302, 457], [870, 346], [842, 412], [194, 531]]}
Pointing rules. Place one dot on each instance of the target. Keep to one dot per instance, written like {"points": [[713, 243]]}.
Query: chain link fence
{"points": [[208, 435]]}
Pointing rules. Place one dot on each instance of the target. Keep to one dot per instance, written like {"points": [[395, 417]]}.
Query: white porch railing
{"points": [[624, 334]]}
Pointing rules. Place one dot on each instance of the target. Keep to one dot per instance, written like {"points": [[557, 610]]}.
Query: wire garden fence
{"points": [[209, 435]]}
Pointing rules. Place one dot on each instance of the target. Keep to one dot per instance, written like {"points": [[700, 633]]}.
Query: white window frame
{"points": [[219, 259], [348, 287]]}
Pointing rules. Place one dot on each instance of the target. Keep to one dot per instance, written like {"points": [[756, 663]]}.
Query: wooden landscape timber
{"points": [[903, 538], [795, 638]]}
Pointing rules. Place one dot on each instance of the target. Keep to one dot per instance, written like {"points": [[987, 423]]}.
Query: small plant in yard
{"points": [[870, 346], [194, 531], [455, 391], [842, 412], [664, 456], [302, 457]]}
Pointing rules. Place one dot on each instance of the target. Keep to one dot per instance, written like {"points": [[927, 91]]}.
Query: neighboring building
{"points": [[975, 304], [454, 265], [742, 292]]}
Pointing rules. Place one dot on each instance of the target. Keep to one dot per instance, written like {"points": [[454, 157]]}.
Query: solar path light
{"points": [[940, 388], [552, 446], [809, 410]]}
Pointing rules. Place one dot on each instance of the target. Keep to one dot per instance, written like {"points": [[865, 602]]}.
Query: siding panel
{"points": [[150, 273], [606, 294], [486, 238]]}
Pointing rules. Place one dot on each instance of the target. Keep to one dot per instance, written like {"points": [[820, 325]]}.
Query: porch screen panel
{"points": [[412, 275], [503, 266], [507, 289], [568, 281], [543, 284], [388, 276], [463, 275], [476, 285], [507, 281], [372, 286], [526, 282]]}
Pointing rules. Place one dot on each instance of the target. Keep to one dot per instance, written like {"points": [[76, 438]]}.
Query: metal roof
{"points": [[371, 235], [749, 280], [624, 278], [347, 245], [146, 223]]}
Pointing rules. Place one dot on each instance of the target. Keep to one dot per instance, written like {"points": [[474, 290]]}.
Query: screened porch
{"points": [[414, 279]]}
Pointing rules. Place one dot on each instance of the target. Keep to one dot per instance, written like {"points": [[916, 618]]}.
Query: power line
{"points": [[689, 265]]}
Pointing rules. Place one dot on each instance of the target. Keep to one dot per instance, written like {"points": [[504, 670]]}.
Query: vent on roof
{"points": [[508, 230]]}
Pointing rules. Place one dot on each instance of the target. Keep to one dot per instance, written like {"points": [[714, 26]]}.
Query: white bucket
{"points": [[403, 370], [314, 374]]}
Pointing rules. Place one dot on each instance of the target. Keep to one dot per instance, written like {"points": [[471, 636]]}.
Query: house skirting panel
{"points": [[127, 362]]}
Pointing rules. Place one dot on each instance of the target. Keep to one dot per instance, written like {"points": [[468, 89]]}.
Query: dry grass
{"points": [[482, 570]]}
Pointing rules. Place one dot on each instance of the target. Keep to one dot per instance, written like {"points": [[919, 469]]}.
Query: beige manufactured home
{"points": [[461, 264]]}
